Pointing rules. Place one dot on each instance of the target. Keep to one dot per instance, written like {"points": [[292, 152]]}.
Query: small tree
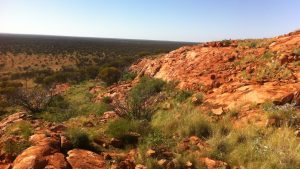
{"points": [[140, 99], [32, 100], [110, 75]]}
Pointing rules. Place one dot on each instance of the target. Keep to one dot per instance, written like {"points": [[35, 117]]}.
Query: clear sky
{"points": [[178, 20]]}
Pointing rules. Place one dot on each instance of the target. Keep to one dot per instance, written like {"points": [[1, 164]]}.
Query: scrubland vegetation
{"points": [[47, 60], [157, 127], [168, 127]]}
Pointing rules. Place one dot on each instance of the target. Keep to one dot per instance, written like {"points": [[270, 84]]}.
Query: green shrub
{"points": [[79, 138], [245, 60], [254, 43], [255, 147], [226, 42], [233, 113], [198, 127], [59, 117], [272, 71], [59, 101], [121, 129], [3, 107], [156, 139], [92, 71], [183, 95], [183, 120], [283, 115], [33, 100], [77, 101], [107, 99], [223, 128], [297, 51], [128, 76], [138, 96], [15, 147], [182, 159], [199, 99], [110, 75], [22, 128], [267, 55]]}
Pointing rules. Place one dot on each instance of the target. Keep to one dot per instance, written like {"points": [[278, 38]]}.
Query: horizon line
{"points": [[96, 37]]}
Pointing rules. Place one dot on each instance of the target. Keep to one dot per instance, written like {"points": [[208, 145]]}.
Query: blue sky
{"points": [[177, 20]]}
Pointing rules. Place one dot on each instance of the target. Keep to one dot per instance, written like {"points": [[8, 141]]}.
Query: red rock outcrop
{"points": [[79, 159], [45, 153], [216, 69]]}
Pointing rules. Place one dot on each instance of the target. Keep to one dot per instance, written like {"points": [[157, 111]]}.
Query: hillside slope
{"points": [[232, 104], [232, 73]]}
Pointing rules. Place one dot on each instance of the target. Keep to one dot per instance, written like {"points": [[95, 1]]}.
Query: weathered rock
{"points": [[297, 133], [271, 122], [196, 100], [57, 161], [33, 157], [150, 153], [88, 124], [110, 115], [162, 162], [79, 159], [12, 119], [104, 142], [58, 128], [283, 59], [218, 111], [43, 153], [5, 166], [139, 166], [189, 164], [167, 106], [297, 98], [214, 164], [61, 88], [284, 100], [127, 164], [116, 143], [65, 143], [37, 138]]}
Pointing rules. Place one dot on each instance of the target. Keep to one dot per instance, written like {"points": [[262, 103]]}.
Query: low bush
{"points": [[182, 120], [255, 43], [226, 42], [155, 139], [182, 95], [249, 43], [110, 75], [77, 101], [198, 127], [107, 99], [233, 113], [283, 115], [14, 148], [34, 100], [267, 56], [128, 76], [122, 128], [297, 51], [79, 138], [272, 71], [222, 128], [182, 159], [3, 107], [22, 128], [245, 60], [138, 96], [199, 98], [255, 147]]}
